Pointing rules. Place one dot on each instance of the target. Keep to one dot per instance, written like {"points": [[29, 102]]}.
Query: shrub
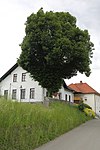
{"points": [[87, 106], [82, 106], [89, 112]]}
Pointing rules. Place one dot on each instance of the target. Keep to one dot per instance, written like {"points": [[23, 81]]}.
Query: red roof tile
{"points": [[83, 88]]}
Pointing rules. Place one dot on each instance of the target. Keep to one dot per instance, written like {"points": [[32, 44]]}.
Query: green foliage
{"points": [[25, 126], [87, 106], [82, 106], [54, 48], [87, 109], [89, 112]]}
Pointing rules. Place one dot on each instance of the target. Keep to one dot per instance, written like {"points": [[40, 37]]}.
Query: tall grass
{"points": [[26, 126]]}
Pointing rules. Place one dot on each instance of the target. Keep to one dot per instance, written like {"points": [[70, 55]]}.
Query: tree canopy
{"points": [[54, 48]]}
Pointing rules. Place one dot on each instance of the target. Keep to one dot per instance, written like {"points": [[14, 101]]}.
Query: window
{"points": [[69, 98], [15, 78], [23, 77], [5, 94], [47, 94], [22, 94], [32, 93], [14, 92], [66, 97]]}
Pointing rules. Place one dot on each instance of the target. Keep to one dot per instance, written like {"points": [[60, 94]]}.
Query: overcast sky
{"points": [[14, 13]]}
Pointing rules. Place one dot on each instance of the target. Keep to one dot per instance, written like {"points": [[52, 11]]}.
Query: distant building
{"points": [[86, 93]]}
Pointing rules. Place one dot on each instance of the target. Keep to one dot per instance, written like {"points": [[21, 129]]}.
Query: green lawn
{"points": [[25, 126]]}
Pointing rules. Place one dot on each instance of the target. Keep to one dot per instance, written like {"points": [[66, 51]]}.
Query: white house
{"points": [[86, 93], [17, 84]]}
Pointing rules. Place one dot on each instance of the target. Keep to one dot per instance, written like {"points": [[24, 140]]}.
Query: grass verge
{"points": [[27, 126]]}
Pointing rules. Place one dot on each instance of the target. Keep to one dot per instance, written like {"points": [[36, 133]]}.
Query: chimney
{"points": [[80, 81]]}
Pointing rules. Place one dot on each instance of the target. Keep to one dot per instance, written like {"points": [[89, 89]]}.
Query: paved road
{"points": [[84, 137]]}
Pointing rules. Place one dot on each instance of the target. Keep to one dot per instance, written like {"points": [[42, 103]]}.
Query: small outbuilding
{"points": [[86, 93]]}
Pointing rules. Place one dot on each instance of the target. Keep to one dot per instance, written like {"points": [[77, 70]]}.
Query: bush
{"points": [[87, 106], [89, 112], [82, 106]]}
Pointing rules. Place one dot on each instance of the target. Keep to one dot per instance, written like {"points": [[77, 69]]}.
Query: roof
{"points": [[9, 72], [83, 88], [67, 87]]}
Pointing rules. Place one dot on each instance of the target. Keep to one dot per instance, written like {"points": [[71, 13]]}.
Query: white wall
{"points": [[8, 84], [69, 94], [92, 100], [88, 99], [97, 104]]}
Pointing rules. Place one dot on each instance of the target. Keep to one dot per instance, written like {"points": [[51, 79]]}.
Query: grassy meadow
{"points": [[25, 126]]}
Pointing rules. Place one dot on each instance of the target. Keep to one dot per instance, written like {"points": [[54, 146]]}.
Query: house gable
{"points": [[9, 72]]}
